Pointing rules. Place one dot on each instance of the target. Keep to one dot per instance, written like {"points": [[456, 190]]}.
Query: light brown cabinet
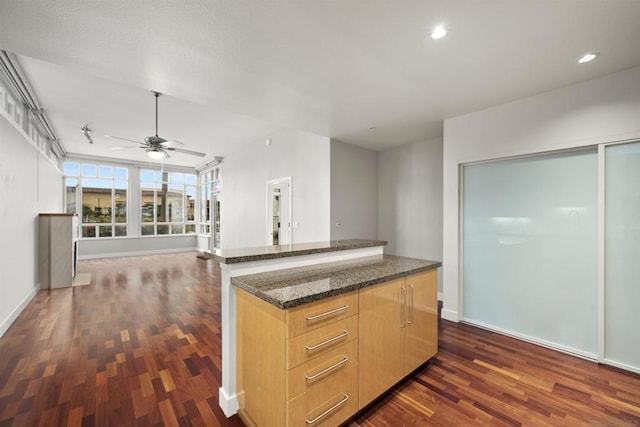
{"points": [[381, 345], [297, 367], [421, 332], [398, 331], [319, 363]]}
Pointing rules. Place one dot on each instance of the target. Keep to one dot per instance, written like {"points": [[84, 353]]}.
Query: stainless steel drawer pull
{"points": [[411, 305], [318, 316], [328, 411], [330, 340], [324, 371], [403, 307]]}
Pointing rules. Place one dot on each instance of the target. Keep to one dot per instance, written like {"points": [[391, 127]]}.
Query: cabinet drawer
{"points": [[320, 341], [328, 404], [328, 367], [315, 315]]}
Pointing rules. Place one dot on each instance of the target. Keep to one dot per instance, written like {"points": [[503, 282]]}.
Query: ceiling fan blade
{"points": [[180, 150], [156, 146], [124, 148], [124, 139], [172, 143]]}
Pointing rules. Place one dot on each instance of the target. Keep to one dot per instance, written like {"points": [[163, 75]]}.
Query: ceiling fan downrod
{"points": [[157, 95]]}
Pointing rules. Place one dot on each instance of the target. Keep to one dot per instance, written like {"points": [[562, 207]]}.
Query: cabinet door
{"points": [[381, 346], [422, 319]]}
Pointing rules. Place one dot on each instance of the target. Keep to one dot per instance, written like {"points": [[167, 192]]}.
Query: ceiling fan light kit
{"points": [[157, 147], [156, 155]]}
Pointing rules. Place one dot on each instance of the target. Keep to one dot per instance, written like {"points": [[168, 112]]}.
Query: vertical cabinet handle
{"points": [[411, 309], [403, 311]]}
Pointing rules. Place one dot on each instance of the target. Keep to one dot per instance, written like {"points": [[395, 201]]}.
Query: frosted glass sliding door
{"points": [[622, 250], [530, 248]]}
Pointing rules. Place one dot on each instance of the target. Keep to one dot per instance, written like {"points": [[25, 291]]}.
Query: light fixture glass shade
{"points": [[156, 154]]}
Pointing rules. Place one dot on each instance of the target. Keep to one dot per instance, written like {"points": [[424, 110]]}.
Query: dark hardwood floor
{"points": [[480, 378], [141, 346]]}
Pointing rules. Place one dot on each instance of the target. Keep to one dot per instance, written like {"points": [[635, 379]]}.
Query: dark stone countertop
{"points": [[258, 253], [296, 286]]}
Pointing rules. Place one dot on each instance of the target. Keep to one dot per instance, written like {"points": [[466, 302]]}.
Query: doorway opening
{"points": [[279, 211]]}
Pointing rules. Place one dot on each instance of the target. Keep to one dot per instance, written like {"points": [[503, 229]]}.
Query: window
{"points": [[101, 191], [215, 198], [99, 195], [167, 202], [210, 197], [205, 202]]}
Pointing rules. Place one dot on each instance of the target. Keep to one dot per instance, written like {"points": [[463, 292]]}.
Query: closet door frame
{"points": [[602, 255], [601, 245]]}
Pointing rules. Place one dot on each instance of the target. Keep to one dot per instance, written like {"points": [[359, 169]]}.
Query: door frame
{"points": [[269, 208]]}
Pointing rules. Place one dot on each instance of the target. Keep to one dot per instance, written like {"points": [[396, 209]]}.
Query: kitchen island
{"points": [[240, 262], [318, 343]]}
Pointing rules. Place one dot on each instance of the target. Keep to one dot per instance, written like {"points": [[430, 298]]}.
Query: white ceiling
{"points": [[235, 71]]}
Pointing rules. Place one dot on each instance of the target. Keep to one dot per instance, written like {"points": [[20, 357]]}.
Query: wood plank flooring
{"points": [[480, 378], [140, 346]]}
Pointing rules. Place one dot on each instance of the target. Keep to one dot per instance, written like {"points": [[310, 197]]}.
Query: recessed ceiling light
{"points": [[588, 57], [438, 32]]}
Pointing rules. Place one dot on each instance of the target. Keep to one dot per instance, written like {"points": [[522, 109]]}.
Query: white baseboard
{"points": [[137, 253], [6, 323], [622, 366], [229, 404], [440, 297], [450, 315], [533, 340]]}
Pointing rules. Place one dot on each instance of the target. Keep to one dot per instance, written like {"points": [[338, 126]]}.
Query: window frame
{"points": [[157, 184], [80, 186], [210, 192]]}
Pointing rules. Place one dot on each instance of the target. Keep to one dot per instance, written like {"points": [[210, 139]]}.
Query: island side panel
{"points": [[262, 327]]}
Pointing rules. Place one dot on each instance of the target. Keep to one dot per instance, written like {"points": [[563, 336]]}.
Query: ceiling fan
{"points": [[156, 146]]}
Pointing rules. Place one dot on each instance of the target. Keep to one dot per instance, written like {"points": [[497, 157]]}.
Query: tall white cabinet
{"points": [[58, 249]]}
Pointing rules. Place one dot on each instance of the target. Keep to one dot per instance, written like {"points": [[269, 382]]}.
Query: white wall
{"points": [[133, 246], [602, 110], [410, 200], [29, 184], [354, 192], [302, 156]]}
